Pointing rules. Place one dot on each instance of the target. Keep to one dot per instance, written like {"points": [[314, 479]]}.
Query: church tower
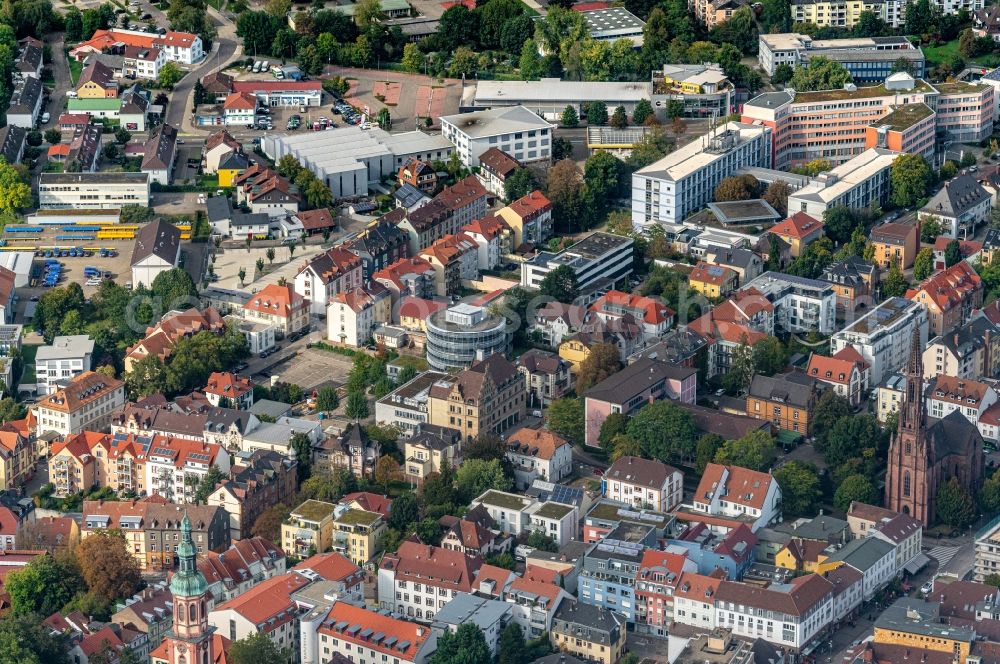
{"points": [[190, 641], [909, 480]]}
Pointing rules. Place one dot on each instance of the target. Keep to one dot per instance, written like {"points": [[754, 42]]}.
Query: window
{"points": [[906, 483]]}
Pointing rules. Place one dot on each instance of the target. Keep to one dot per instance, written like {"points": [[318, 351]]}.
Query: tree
{"points": [[565, 190], [801, 489], [776, 16], [895, 283], [923, 265], [614, 425], [107, 566], [855, 487], [560, 284], [327, 399], [475, 476], [530, 63], [737, 188], [666, 432], [642, 112], [255, 649], [386, 470], [15, 192], [597, 113], [954, 504], [740, 30], [813, 168], [952, 253], [301, 447], [601, 362], [623, 446], [619, 119], [511, 648], [170, 75], [122, 135], [175, 289], [413, 58], [110, 151], [777, 194], [565, 417], [458, 26], [705, 450], [539, 540], [820, 74], [521, 183], [268, 524], [270, 253], [755, 451], [782, 74], [405, 510], [605, 178], [74, 25], [466, 645], [869, 24], [26, 640], [840, 222], [207, 484], [569, 117], [909, 179], [769, 356], [43, 586], [53, 136], [148, 376], [357, 405]]}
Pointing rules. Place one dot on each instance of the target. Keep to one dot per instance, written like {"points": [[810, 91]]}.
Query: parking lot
{"points": [[418, 96]]}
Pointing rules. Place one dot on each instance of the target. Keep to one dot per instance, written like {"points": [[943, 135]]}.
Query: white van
{"points": [[256, 67]]}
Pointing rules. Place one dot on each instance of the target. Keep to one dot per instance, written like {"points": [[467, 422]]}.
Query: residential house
{"points": [[883, 335], [801, 305], [406, 279], [157, 249], [85, 148], [538, 454], [895, 243], [347, 579], [729, 553], [535, 602], [636, 385], [846, 372], [874, 558], [799, 231], [85, 403], [258, 481], [381, 244], [242, 566], [430, 449], [280, 306], [950, 297], [555, 321], [239, 109], [643, 483], [747, 264], [353, 315], [268, 608], [495, 166], [971, 398], [713, 280], [65, 358], [960, 206], [97, 81], [623, 333], [905, 534], [530, 217], [787, 400], [694, 600], [160, 154], [419, 174], [592, 633], [493, 237], [970, 351], [969, 250], [547, 377], [25, 103], [161, 338], [12, 141], [334, 271], [308, 529], [489, 396], [733, 495], [608, 577], [393, 639], [654, 316], [656, 584], [455, 258], [855, 282], [352, 450], [17, 458], [418, 580], [225, 385]]}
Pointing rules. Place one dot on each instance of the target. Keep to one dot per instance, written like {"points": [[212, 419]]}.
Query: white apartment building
{"points": [[873, 558], [515, 130], [354, 633], [268, 608], [329, 273], [683, 182], [510, 511], [906, 535], [91, 191], [737, 493], [66, 358], [883, 335], [85, 404], [694, 600], [600, 257], [643, 483], [971, 398], [987, 551], [406, 407], [175, 466], [556, 520], [785, 614], [801, 305], [353, 315], [539, 454], [418, 580], [857, 183], [889, 395]]}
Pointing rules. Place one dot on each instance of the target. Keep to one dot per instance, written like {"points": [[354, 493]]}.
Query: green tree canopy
{"points": [[560, 284], [466, 645], [565, 417], [475, 476], [855, 488], [255, 649], [909, 180], [44, 585], [24, 639], [666, 432], [755, 451], [820, 74], [954, 504], [801, 489]]}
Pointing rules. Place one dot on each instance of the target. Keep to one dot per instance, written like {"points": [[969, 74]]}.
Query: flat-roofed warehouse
{"points": [[349, 160], [549, 97]]}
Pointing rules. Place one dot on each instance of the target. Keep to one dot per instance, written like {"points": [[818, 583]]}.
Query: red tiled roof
{"points": [[434, 566], [948, 288], [269, 599], [415, 307], [799, 226], [404, 631], [370, 502], [313, 220], [697, 587], [831, 369], [548, 590], [530, 205], [240, 101], [653, 311], [539, 443], [275, 300], [965, 247], [330, 566], [8, 522], [226, 384], [743, 486], [489, 226], [395, 272], [709, 273], [276, 86], [59, 150], [961, 391]]}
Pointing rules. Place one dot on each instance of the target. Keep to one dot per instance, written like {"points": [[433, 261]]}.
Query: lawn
{"points": [[75, 68], [28, 362], [947, 51]]}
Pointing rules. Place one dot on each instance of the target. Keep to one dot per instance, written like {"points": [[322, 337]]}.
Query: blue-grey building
{"points": [[733, 552], [610, 567]]}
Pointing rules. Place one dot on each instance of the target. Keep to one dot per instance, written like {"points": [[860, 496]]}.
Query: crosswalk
{"points": [[943, 554]]}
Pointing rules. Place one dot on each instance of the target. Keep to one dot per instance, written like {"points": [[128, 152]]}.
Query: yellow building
{"points": [[358, 534], [802, 555], [834, 14], [226, 176], [917, 624], [429, 451], [575, 352], [17, 458], [713, 280], [308, 529], [488, 396], [592, 633]]}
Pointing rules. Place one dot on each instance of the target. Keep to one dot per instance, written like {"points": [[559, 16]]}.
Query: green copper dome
{"points": [[187, 580]]}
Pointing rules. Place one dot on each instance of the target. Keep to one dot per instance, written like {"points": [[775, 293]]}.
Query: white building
{"points": [[65, 359], [598, 258], [738, 493], [906, 535], [960, 206], [174, 467], [334, 271], [353, 315], [350, 160], [643, 483], [356, 634], [104, 191], [259, 336], [406, 407], [883, 335], [857, 183], [539, 454], [556, 520], [867, 58], [157, 249], [418, 580], [25, 103], [85, 404], [874, 558], [515, 130], [683, 182], [785, 614], [510, 511], [988, 550], [800, 304], [971, 398], [489, 615], [549, 97]]}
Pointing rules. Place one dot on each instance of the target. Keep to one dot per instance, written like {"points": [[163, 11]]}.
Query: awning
{"points": [[917, 563]]}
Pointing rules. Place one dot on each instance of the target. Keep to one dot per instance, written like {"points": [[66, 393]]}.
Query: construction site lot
{"points": [[410, 98]]}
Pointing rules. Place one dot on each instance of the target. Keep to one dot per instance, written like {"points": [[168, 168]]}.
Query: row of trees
{"points": [[315, 192]]}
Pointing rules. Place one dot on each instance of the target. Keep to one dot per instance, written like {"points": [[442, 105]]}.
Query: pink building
{"points": [[832, 124], [633, 387]]}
